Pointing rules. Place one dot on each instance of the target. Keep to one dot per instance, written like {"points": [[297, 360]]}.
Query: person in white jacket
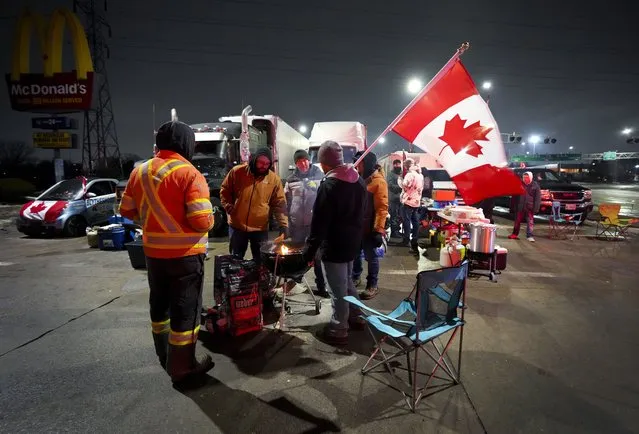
{"points": [[412, 185]]}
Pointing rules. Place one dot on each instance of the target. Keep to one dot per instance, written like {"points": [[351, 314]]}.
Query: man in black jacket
{"points": [[394, 205], [526, 207], [336, 230]]}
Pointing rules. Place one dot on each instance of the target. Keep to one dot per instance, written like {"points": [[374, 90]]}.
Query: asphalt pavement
{"points": [[551, 346], [625, 194]]}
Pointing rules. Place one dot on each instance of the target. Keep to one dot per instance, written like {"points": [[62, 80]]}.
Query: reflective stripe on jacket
{"points": [[248, 200], [170, 198]]}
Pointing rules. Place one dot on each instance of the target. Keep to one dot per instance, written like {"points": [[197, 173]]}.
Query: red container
{"points": [[245, 313], [443, 195]]}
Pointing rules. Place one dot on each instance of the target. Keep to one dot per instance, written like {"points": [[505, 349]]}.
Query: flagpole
{"points": [[410, 105]]}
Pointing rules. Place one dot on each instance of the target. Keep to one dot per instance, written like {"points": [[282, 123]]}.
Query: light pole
{"points": [[571, 147], [487, 85], [414, 85], [626, 131], [534, 139]]}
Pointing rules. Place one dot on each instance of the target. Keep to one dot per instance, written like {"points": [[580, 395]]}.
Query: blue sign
{"points": [[54, 123]]}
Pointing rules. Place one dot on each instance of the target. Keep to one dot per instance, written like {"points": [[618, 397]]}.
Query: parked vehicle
{"points": [[68, 207], [351, 135], [574, 198]]}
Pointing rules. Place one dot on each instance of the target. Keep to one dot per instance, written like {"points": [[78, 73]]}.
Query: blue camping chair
{"points": [[430, 311], [560, 223]]}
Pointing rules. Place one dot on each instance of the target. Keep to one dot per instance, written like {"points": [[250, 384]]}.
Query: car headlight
{"points": [[588, 194]]}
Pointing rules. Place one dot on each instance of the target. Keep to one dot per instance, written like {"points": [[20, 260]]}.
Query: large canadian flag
{"points": [[452, 122]]}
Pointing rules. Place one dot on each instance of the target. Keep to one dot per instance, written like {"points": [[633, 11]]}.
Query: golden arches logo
{"points": [[53, 90]]}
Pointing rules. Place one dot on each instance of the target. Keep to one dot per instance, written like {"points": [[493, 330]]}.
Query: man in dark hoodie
{"points": [[374, 225], [301, 192], [336, 230], [248, 194], [526, 206], [171, 200], [394, 205]]}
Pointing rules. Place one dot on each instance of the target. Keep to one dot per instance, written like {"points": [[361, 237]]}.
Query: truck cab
{"points": [[350, 135]]}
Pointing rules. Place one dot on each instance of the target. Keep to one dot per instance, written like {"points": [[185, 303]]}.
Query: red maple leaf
{"points": [[37, 208], [461, 138]]}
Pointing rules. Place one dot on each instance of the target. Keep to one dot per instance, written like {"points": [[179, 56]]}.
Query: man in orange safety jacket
{"points": [[171, 200]]}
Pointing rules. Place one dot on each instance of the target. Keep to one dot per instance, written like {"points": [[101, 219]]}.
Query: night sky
{"points": [[564, 68]]}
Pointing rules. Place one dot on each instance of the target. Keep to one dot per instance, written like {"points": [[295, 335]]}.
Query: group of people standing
{"points": [[338, 211]]}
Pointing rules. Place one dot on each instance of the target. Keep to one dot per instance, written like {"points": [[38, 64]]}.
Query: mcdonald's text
{"points": [[63, 92]]}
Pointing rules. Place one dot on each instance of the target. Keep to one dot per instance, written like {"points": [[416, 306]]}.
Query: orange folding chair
{"points": [[609, 225]]}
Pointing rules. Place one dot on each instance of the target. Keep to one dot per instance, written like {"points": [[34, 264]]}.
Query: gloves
{"points": [[283, 233], [309, 257], [378, 239]]}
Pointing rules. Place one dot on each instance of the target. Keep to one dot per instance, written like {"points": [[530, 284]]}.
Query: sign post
{"points": [[54, 139]]}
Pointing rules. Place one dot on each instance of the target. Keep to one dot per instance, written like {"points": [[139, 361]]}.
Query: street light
{"points": [[414, 85], [571, 148], [626, 131], [302, 129], [534, 139], [382, 140], [487, 85], [523, 143]]}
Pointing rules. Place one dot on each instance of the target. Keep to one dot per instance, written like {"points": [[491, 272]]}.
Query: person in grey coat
{"points": [[526, 206], [301, 191]]}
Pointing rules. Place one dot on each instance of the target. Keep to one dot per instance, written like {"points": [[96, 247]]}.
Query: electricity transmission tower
{"points": [[100, 147]]}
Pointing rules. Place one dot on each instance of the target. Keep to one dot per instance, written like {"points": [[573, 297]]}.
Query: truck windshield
{"points": [[215, 148], [70, 189], [210, 166], [349, 154]]}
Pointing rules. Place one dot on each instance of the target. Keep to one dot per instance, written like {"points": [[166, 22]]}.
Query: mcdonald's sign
{"points": [[53, 91]]}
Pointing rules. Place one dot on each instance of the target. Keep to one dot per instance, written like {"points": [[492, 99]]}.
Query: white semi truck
{"points": [[282, 139], [351, 135]]}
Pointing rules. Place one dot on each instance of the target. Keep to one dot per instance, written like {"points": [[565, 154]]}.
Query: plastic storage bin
{"points": [[111, 238], [136, 254]]}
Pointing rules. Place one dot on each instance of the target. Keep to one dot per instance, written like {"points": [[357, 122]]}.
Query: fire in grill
{"points": [[284, 260]]}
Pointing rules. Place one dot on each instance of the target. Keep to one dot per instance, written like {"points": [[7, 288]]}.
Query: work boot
{"points": [[333, 337], [368, 293], [183, 365], [161, 343]]}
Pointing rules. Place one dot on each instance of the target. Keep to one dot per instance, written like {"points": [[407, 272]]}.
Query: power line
{"points": [[376, 63], [387, 34], [314, 71], [393, 12], [349, 56]]}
